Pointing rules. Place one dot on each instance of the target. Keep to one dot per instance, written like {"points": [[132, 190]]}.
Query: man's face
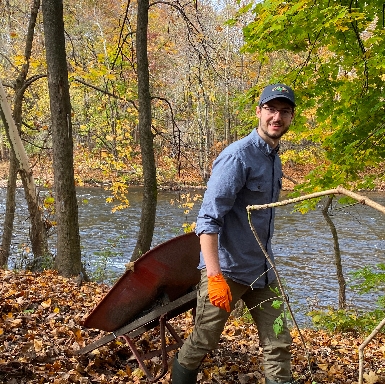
{"points": [[275, 118]]}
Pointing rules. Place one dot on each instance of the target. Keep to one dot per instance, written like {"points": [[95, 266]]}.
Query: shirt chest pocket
{"points": [[263, 192], [257, 192], [258, 186]]}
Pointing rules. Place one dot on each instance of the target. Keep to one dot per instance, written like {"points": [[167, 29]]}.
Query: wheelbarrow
{"points": [[160, 286]]}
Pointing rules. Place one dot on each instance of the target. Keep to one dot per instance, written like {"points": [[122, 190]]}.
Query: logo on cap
{"points": [[280, 89]]}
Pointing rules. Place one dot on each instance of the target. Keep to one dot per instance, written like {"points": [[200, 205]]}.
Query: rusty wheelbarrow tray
{"points": [[160, 286]]}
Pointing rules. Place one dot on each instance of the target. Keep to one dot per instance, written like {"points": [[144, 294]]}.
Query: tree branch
{"points": [[105, 92], [29, 81]]}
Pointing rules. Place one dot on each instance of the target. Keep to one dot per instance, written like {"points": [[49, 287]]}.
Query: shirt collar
{"points": [[263, 146]]}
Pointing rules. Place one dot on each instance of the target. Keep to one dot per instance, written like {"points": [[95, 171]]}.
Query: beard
{"points": [[273, 135]]}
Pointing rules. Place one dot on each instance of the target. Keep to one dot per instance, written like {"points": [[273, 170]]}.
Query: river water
{"points": [[303, 244]]}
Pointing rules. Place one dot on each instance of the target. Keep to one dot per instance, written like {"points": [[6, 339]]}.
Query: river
{"points": [[303, 244]]}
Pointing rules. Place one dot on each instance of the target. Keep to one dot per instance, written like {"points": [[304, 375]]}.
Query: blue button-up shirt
{"points": [[247, 172]]}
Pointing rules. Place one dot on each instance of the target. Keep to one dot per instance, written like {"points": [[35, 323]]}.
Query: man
{"points": [[232, 265]]}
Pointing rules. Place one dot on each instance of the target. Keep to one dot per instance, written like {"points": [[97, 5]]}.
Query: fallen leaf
{"points": [[130, 266], [38, 345], [46, 304], [370, 378]]}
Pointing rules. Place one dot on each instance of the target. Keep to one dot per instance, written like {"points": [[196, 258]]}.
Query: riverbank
{"points": [[93, 178], [41, 317], [293, 174]]}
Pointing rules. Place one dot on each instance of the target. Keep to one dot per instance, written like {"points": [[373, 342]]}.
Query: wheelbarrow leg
{"points": [[179, 341], [163, 351], [137, 355], [162, 324]]}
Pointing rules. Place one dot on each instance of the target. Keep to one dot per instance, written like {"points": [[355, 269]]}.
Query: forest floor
{"points": [[41, 330]]}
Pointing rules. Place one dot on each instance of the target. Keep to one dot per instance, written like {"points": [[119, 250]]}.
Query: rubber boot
{"points": [[268, 381], [181, 375]]}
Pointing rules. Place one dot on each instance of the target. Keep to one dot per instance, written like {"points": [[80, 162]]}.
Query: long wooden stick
{"points": [[362, 199], [339, 190], [292, 201], [14, 135], [363, 345]]}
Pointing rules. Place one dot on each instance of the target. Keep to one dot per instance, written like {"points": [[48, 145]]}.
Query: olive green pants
{"points": [[210, 322]]}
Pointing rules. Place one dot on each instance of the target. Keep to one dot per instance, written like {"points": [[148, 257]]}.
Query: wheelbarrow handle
{"points": [[171, 309]]}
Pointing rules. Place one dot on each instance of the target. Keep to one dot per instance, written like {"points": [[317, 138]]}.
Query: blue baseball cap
{"points": [[277, 91]]}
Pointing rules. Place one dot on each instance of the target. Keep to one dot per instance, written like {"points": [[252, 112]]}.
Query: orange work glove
{"points": [[219, 292]]}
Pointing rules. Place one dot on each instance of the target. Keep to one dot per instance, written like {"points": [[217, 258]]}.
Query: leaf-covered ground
{"points": [[41, 329]]}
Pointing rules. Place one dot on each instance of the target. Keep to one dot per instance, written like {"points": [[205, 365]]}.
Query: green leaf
{"points": [[276, 304], [278, 325]]}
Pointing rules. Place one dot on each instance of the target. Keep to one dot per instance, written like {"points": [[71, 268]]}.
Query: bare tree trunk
{"points": [[37, 234], [10, 206], [147, 220], [68, 257], [19, 158], [227, 81], [337, 255]]}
